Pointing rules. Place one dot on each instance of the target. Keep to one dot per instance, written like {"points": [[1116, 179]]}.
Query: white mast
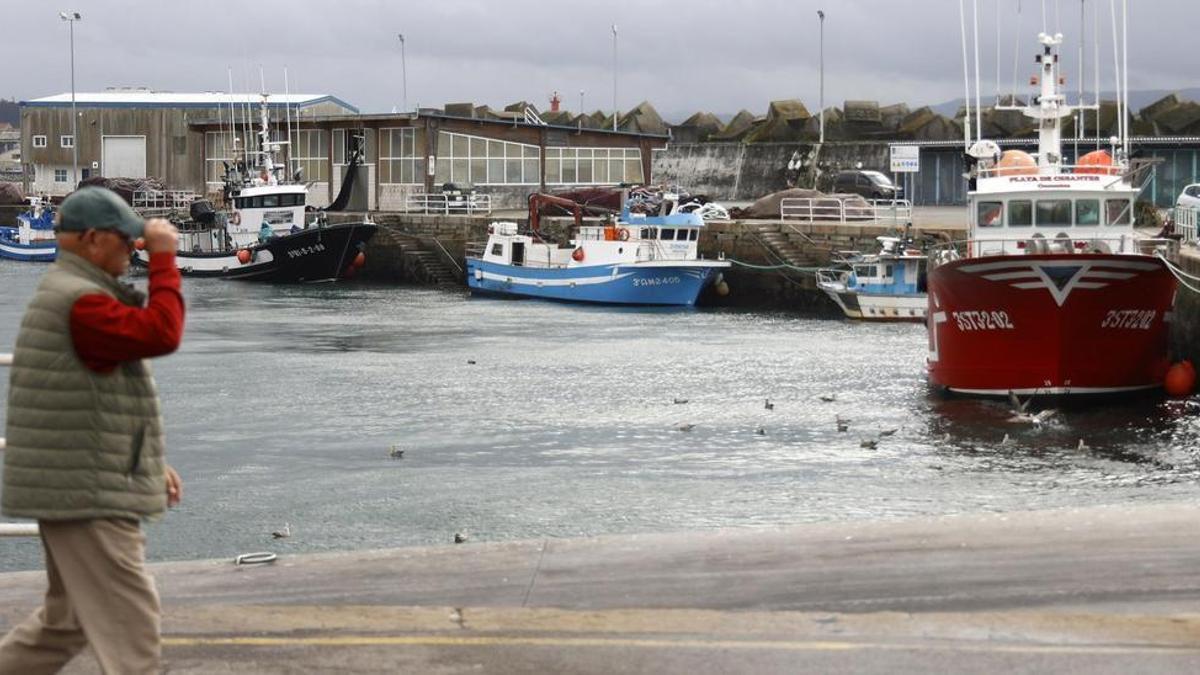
{"points": [[1050, 107], [962, 18]]}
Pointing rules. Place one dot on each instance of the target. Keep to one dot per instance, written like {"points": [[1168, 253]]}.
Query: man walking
{"points": [[85, 453]]}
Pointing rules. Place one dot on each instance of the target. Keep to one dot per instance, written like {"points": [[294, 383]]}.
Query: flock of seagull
{"points": [[1020, 414]]}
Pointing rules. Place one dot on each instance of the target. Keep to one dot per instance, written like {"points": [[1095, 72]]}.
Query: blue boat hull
{"points": [[615, 284], [11, 248]]}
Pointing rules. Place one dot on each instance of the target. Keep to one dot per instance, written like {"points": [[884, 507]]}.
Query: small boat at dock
{"points": [[266, 233], [884, 286], [32, 240], [632, 259]]}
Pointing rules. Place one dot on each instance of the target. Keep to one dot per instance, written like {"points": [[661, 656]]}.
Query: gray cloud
{"points": [[681, 56]]}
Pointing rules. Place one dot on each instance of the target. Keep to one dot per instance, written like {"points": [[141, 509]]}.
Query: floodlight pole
{"points": [[821, 99], [403, 73], [71, 18]]}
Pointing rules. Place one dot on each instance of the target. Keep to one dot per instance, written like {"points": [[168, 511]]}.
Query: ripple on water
{"points": [[284, 401]]}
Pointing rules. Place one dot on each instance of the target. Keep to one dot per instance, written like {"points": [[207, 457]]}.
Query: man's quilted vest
{"points": [[81, 444]]}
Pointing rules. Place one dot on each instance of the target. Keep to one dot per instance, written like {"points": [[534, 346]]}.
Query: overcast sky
{"points": [[682, 56]]}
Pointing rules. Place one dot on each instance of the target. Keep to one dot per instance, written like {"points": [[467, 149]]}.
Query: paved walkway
{"points": [[1095, 590]]}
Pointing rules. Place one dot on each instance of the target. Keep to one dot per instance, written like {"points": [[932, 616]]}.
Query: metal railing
{"points": [[980, 248], [162, 201], [843, 210], [421, 202], [1187, 219], [14, 529]]}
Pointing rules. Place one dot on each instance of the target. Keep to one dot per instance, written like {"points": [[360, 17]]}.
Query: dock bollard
{"points": [[18, 530]]}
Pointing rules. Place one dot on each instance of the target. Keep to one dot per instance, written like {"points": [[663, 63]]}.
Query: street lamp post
{"points": [[71, 18], [821, 99], [580, 101], [403, 73], [616, 111]]}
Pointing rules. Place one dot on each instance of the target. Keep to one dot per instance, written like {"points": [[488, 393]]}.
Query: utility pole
{"points": [[71, 18], [821, 99], [403, 74], [616, 111]]}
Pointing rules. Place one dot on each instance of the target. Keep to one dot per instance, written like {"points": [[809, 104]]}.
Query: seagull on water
{"points": [[828, 398], [768, 405], [868, 443], [395, 452], [1083, 447], [760, 431], [685, 427], [284, 533], [842, 424], [459, 537], [680, 401]]}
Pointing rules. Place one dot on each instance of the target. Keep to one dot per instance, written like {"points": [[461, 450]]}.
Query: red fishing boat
{"points": [[1054, 292]]}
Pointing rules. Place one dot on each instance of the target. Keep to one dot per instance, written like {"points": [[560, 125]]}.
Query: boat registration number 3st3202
{"points": [[975, 320], [1138, 319], [305, 250]]}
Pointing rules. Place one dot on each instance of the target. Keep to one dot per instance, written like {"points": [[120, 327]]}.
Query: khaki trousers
{"points": [[99, 595]]}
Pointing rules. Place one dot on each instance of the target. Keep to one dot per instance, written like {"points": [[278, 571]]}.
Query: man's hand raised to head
{"points": [[161, 236]]}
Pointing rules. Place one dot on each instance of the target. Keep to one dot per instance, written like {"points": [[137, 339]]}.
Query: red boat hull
{"points": [[1049, 324]]}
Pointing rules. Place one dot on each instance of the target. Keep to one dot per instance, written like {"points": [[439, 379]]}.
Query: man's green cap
{"points": [[97, 208]]}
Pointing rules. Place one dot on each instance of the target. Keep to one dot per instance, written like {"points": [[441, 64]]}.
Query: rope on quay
{"points": [[807, 270], [1180, 275]]}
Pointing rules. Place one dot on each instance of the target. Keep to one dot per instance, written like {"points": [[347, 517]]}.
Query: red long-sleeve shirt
{"points": [[107, 332]]}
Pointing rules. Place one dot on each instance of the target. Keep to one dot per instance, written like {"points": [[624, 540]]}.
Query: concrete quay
{"points": [[1112, 589]]}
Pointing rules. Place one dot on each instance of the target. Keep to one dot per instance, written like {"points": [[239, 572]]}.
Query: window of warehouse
{"points": [[566, 166], [310, 155], [401, 156], [472, 160]]}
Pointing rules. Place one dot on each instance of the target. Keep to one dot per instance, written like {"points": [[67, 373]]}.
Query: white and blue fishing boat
{"points": [[884, 286], [635, 259], [32, 240]]}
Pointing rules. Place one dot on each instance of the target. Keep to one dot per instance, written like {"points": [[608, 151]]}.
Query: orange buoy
{"points": [[1180, 380], [139, 244], [243, 256], [577, 255], [1096, 162], [360, 259]]}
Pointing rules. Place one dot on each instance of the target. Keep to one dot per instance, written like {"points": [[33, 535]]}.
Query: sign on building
{"points": [[905, 158]]}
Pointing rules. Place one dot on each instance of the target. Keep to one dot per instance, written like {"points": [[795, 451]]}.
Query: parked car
{"points": [[1190, 197], [868, 184]]}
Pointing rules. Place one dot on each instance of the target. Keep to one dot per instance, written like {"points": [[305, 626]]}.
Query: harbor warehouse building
{"points": [[135, 133], [185, 140]]}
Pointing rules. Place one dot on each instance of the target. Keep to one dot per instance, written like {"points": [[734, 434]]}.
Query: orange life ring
{"points": [[623, 233]]}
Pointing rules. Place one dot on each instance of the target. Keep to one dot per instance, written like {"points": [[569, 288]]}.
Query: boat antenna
{"points": [[1096, 67], [1112, 5], [962, 20], [1125, 72], [246, 135], [996, 103], [232, 118], [1082, 74], [1012, 100], [978, 107], [287, 114]]}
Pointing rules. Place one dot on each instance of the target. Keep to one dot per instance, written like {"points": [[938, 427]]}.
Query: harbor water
{"points": [[530, 419]]}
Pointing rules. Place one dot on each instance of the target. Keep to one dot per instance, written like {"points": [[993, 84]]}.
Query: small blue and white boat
{"points": [[32, 240], [885, 286], [636, 260]]}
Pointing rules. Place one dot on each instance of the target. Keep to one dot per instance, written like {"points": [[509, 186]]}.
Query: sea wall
{"points": [[739, 171]]}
